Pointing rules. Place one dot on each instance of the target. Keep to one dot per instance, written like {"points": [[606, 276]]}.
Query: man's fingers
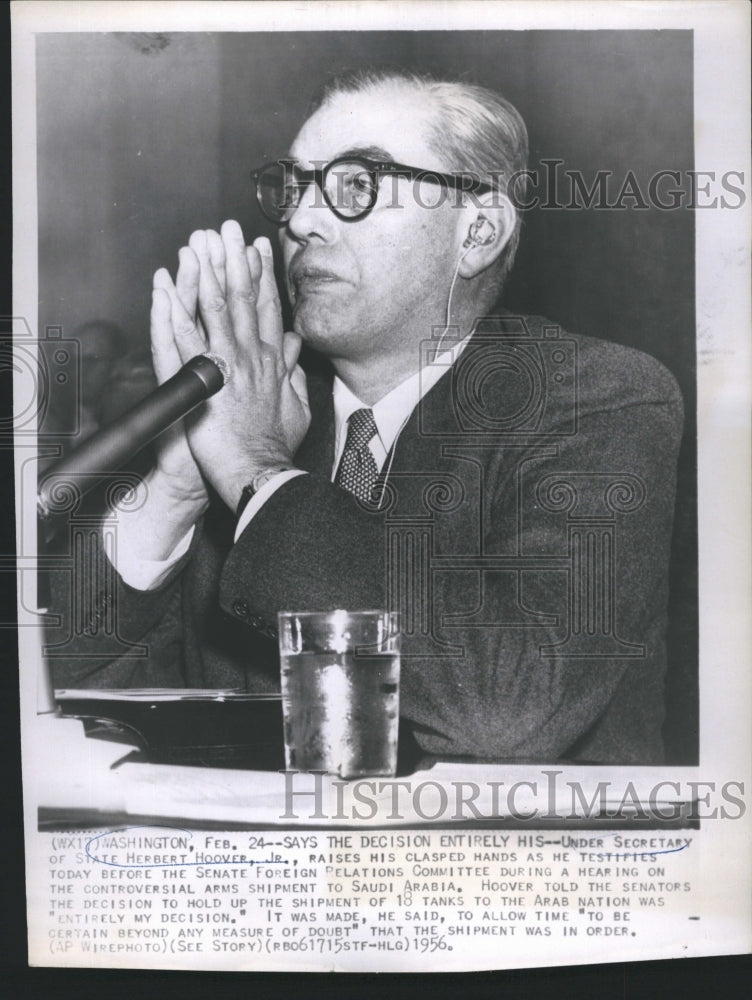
{"points": [[268, 308], [164, 352], [299, 382], [212, 300], [242, 287], [186, 280], [217, 258], [186, 336], [234, 289], [291, 345], [186, 284]]}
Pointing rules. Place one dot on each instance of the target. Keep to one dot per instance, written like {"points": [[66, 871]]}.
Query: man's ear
{"points": [[485, 232]]}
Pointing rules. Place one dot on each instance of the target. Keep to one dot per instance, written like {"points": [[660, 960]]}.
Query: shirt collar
{"points": [[393, 411]]}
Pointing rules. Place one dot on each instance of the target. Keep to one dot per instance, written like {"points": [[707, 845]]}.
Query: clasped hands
{"points": [[224, 300]]}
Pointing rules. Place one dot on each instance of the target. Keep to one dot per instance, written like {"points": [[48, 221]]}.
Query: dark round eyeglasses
{"points": [[349, 184]]}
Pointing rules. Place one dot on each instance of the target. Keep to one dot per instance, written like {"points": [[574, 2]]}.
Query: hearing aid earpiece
{"points": [[481, 233]]}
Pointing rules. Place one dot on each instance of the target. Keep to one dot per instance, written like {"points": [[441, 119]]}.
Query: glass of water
{"points": [[340, 691]]}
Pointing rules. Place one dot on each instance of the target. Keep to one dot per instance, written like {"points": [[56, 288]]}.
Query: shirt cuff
{"points": [[258, 500], [146, 574]]}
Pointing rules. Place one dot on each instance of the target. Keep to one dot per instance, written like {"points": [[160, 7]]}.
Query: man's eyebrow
{"points": [[368, 152]]}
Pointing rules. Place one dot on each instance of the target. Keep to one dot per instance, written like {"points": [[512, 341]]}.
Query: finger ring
{"points": [[220, 362]]}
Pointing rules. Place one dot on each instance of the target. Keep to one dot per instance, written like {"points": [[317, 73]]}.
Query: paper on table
{"points": [[159, 694], [264, 797]]}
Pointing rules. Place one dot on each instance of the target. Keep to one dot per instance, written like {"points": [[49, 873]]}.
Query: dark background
{"points": [[146, 137]]}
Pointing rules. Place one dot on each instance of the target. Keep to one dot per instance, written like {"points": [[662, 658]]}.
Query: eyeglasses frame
{"points": [[374, 168]]}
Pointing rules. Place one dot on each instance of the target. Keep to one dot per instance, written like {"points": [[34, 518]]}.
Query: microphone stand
{"points": [[64, 484], [106, 451]]}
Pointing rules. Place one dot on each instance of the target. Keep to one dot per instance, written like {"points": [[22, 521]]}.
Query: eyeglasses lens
{"points": [[276, 191], [349, 188]]}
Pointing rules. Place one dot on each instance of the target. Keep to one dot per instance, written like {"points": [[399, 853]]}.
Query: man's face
{"points": [[376, 285]]}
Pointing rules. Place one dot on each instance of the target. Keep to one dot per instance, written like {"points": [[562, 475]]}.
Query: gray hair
{"points": [[475, 128]]}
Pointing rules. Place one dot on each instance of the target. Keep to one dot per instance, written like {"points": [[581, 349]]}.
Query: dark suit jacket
{"points": [[523, 533]]}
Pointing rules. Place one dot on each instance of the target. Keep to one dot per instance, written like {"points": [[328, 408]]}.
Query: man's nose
{"points": [[312, 216]]}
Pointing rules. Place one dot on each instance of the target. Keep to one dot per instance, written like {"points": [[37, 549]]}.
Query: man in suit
{"points": [[506, 486]]}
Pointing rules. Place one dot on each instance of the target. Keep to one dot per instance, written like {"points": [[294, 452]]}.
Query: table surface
{"points": [[83, 782]]}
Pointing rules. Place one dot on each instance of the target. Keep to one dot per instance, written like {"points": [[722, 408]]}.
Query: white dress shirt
{"points": [[390, 415]]}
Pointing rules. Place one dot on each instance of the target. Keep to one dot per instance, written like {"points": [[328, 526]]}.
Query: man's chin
{"points": [[318, 327]]}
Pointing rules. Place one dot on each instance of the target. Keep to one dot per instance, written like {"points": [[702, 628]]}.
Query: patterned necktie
{"points": [[357, 472]]}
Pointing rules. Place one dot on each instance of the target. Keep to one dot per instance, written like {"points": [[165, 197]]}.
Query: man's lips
{"points": [[304, 274]]}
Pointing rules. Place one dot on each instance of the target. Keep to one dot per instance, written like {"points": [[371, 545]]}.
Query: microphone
{"points": [[107, 450]]}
